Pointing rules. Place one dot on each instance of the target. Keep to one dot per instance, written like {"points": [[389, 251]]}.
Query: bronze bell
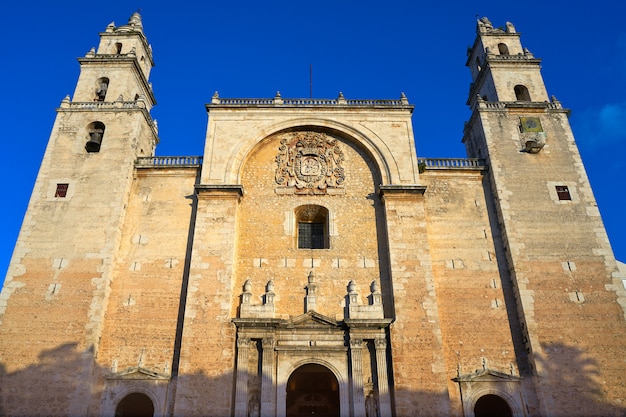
{"points": [[95, 139]]}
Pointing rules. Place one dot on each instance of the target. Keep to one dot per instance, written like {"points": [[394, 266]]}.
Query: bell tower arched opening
{"points": [[312, 389]]}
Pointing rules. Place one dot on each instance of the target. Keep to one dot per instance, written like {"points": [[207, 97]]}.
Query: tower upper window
{"points": [[312, 223], [118, 48], [503, 49], [102, 85], [96, 132], [521, 93]]}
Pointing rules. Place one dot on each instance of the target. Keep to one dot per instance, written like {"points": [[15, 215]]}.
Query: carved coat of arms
{"points": [[309, 163]]}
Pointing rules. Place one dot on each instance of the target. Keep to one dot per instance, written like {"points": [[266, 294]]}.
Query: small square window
{"points": [[61, 191], [563, 192]]}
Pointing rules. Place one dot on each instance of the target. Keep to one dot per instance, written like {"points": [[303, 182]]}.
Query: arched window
{"points": [[135, 405], [312, 221], [491, 405], [503, 49], [521, 93], [95, 131], [118, 48], [102, 85]]}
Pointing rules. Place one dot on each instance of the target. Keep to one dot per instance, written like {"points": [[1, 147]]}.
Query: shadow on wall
{"points": [[577, 380], [60, 384]]}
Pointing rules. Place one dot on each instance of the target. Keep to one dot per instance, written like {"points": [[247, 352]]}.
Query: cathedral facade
{"points": [[309, 262]]}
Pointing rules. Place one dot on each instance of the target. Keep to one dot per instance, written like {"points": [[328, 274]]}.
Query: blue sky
{"points": [[366, 49]]}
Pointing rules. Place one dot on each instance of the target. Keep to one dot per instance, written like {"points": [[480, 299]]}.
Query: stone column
{"points": [[268, 397], [241, 395], [384, 399], [358, 396]]}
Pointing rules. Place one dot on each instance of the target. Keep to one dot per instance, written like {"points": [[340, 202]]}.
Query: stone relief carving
{"points": [[309, 163]]}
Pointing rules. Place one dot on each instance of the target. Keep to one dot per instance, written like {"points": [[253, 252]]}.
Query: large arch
{"points": [[492, 405], [482, 395], [373, 145], [323, 361], [135, 404], [312, 389]]}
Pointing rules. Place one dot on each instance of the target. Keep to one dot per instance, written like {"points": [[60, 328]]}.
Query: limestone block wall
{"points": [[385, 134], [562, 266], [477, 311], [267, 247], [57, 288], [141, 319], [419, 373]]}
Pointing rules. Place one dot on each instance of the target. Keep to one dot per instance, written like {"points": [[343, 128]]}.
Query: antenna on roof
{"points": [[310, 80]]}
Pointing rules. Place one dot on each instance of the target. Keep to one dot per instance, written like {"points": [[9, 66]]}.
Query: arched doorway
{"points": [[312, 390], [135, 405], [491, 405]]}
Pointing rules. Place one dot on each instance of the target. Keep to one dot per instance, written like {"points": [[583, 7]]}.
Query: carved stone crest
{"points": [[309, 163]]}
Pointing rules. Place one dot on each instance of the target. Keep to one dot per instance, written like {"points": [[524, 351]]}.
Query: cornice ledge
{"points": [[400, 190], [222, 190]]}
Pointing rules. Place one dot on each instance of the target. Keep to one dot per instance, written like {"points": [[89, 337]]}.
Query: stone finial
{"points": [[311, 299], [91, 53], [110, 27], [66, 101], [341, 99], [528, 53], [510, 28], [403, 99], [376, 296], [135, 20], [269, 292], [216, 98], [278, 99], [246, 296]]}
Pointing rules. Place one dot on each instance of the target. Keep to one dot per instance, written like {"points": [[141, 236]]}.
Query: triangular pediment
{"points": [[487, 375], [138, 373], [312, 319]]}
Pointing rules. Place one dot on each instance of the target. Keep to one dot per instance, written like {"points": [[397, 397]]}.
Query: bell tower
{"points": [[60, 274], [552, 242]]}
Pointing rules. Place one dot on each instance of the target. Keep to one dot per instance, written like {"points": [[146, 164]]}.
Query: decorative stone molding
{"points": [[266, 310], [309, 163], [374, 310]]}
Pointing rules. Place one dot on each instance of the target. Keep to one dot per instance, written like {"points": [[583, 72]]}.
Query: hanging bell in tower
{"points": [[95, 140]]}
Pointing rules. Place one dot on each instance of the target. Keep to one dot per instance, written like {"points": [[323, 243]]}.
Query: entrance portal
{"points": [[135, 405], [312, 390], [492, 406]]}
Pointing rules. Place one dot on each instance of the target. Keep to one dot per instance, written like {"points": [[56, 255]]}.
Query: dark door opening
{"points": [[312, 390], [492, 406], [135, 405]]}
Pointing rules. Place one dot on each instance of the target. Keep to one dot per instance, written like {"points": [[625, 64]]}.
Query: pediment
{"points": [[487, 375], [138, 373], [313, 320]]}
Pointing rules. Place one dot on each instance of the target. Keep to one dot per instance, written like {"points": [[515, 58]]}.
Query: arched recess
{"points": [[135, 404], [334, 363], [312, 389], [492, 405], [521, 93], [374, 146]]}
